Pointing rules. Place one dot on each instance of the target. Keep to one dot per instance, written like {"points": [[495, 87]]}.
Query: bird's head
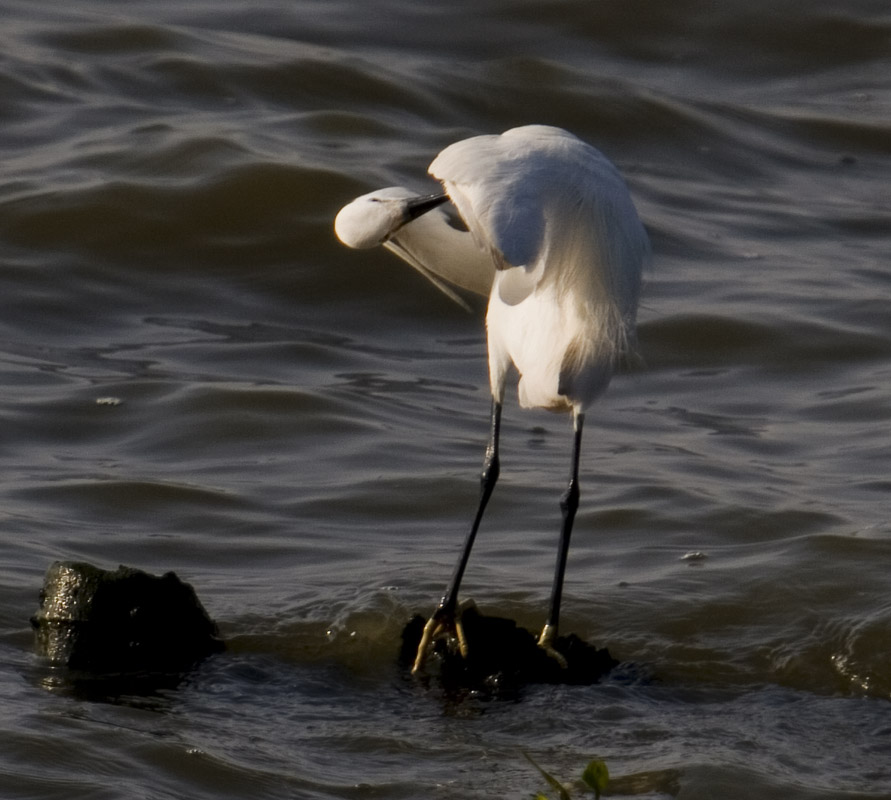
{"points": [[374, 217]]}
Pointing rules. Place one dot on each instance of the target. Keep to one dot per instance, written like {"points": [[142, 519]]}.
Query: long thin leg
{"points": [[569, 504], [445, 613], [488, 478]]}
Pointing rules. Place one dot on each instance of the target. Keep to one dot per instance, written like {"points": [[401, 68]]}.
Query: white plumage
{"points": [[554, 238]]}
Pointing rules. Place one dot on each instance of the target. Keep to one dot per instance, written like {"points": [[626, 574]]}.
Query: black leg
{"points": [[569, 503], [488, 478], [445, 614]]}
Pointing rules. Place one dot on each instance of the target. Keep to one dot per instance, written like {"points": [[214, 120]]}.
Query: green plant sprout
{"points": [[595, 777]]}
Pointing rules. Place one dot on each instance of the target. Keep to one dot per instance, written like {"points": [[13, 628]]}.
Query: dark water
{"points": [[196, 376]]}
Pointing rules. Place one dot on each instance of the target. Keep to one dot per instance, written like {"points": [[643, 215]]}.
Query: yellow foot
{"points": [[546, 643], [442, 623]]}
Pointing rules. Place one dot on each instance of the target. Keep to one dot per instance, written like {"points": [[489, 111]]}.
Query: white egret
{"points": [[554, 239]]}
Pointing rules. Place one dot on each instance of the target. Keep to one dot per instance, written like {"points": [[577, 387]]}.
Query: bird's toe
{"points": [[546, 643], [444, 624]]}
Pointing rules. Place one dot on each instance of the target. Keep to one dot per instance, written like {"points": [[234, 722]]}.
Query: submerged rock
{"points": [[504, 657], [125, 621]]}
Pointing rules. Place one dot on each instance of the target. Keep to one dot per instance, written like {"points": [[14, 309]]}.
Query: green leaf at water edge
{"points": [[596, 775], [552, 781]]}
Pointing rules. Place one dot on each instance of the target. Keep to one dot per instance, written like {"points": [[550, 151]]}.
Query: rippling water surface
{"points": [[197, 377]]}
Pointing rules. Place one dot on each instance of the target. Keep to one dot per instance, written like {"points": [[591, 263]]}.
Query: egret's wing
{"points": [[489, 186], [500, 185], [539, 198]]}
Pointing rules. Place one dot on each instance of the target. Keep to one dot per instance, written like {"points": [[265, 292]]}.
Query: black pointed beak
{"points": [[417, 206]]}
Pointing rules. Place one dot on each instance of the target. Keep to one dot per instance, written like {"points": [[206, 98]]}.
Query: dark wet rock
{"points": [[122, 621], [504, 657]]}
